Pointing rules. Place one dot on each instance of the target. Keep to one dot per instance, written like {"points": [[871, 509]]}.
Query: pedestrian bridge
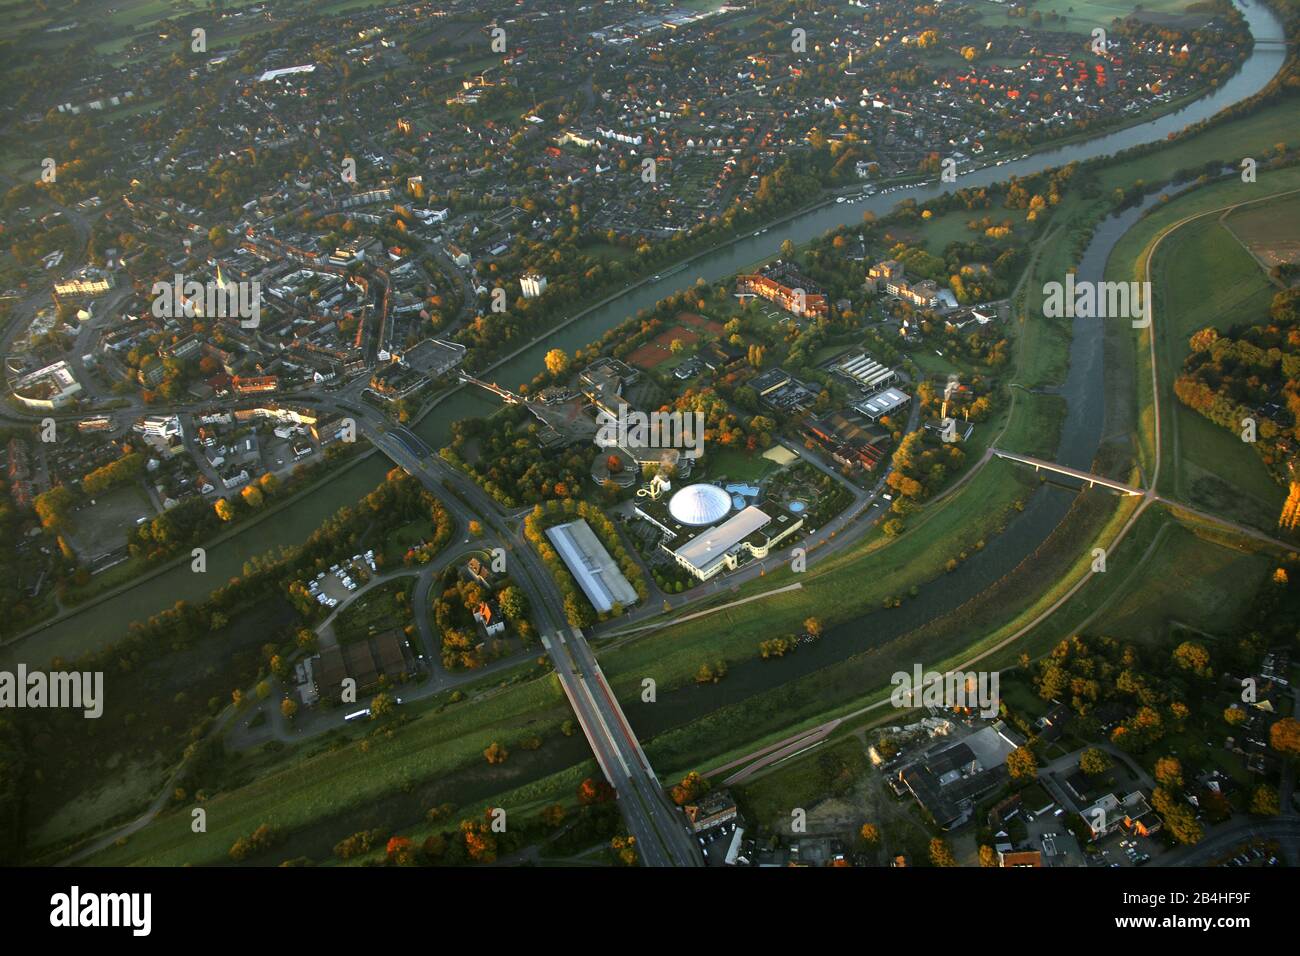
{"points": [[1038, 464]]}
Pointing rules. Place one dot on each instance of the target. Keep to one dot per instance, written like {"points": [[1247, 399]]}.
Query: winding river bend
{"points": [[108, 620]]}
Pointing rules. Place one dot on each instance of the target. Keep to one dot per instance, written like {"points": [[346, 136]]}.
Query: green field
{"points": [[317, 783], [1201, 276], [1255, 135], [1080, 16], [1186, 578], [737, 464]]}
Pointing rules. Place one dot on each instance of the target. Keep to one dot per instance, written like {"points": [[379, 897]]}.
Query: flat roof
{"points": [[882, 402], [712, 543], [596, 572]]}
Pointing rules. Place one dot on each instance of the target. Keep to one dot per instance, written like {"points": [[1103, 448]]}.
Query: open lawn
{"points": [[936, 233], [736, 464], [828, 771]]}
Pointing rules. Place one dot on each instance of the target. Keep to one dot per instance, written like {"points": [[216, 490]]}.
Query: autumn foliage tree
{"points": [[692, 787], [1022, 764], [941, 853], [1284, 737], [592, 792]]}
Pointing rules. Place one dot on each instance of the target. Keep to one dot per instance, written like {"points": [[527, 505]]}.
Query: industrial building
{"points": [[591, 565], [869, 374], [881, 404]]}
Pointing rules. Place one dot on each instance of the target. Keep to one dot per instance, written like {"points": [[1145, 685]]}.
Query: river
{"points": [[108, 620]]}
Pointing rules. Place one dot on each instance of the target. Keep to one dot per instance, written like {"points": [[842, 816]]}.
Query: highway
{"points": [[660, 830]]}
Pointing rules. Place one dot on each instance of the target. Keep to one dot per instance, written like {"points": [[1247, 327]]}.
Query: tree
{"points": [[592, 791], [1284, 736], [475, 528], [381, 705], [577, 612], [557, 362], [787, 249], [812, 627], [289, 707], [495, 753], [941, 853], [224, 510], [1180, 822], [1094, 762], [988, 856], [513, 602], [553, 815], [52, 507], [692, 787], [1191, 656], [1264, 802], [253, 496], [870, 834], [1021, 764], [1169, 772], [400, 851]]}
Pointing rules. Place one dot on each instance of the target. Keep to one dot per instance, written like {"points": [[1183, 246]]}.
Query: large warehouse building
{"points": [[591, 565]]}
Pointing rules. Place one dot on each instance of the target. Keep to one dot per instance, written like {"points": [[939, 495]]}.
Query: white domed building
{"points": [[699, 504], [706, 532]]}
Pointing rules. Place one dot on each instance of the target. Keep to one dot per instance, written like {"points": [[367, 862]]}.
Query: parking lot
{"points": [[1126, 849], [341, 580]]}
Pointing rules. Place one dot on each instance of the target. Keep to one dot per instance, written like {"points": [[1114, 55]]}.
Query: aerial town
{"points": [[649, 434]]}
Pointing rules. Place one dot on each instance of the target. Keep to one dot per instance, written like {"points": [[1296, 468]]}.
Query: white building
{"points": [[721, 546], [159, 426], [532, 285]]}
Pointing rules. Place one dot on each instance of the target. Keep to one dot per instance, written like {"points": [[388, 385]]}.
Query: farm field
{"points": [[1268, 232]]}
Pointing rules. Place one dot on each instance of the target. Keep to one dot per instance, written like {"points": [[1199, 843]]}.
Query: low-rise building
{"points": [[50, 387]]}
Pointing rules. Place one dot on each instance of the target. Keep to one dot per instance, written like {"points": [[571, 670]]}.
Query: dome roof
{"points": [[699, 504]]}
